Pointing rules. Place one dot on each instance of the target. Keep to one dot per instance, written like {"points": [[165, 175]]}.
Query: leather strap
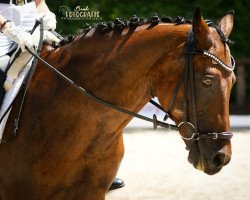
{"points": [[177, 88], [227, 135], [192, 80]]}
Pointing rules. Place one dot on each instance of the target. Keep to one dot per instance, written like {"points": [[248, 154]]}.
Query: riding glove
{"points": [[20, 36]]}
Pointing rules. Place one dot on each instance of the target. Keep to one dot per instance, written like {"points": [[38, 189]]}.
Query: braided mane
{"points": [[119, 25]]}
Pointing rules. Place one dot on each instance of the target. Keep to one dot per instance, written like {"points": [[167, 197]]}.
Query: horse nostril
{"points": [[219, 160]]}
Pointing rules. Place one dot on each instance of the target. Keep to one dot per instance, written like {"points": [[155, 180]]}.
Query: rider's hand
{"points": [[20, 36], [50, 38], [49, 20]]}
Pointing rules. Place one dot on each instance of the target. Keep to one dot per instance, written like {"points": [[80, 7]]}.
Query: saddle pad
{"points": [[10, 96]]}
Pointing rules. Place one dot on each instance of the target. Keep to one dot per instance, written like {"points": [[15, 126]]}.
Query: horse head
{"points": [[202, 113]]}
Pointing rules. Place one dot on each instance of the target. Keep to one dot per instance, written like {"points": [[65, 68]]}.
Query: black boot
{"points": [[117, 183]]}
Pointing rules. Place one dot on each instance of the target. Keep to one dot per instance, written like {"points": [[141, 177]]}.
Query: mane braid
{"points": [[119, 25], [134, 21]]}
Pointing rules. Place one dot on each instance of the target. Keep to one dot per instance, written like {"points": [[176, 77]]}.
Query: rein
{"points": [[187, 77], [105, 103]]}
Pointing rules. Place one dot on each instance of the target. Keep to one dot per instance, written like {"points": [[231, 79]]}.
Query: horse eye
{"points": [[207, 82]]}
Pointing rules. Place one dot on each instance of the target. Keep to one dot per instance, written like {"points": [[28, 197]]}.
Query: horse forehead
{"points": [[218, 47], [221, 50]]}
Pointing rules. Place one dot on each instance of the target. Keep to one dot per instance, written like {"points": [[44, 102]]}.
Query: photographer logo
{"points": [[79, 13]]}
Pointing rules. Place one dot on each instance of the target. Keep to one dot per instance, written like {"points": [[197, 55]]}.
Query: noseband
{"points": [[188, 78]]}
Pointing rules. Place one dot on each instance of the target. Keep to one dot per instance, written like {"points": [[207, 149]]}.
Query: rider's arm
{"points": [[41, 8], [49, 17], [21, 37]]}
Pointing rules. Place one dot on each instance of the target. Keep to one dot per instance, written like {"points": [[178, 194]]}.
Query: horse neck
{"points": [[123, 70]]}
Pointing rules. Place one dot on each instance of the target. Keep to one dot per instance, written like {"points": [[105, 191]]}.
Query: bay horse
{"points": [[70, 147]]}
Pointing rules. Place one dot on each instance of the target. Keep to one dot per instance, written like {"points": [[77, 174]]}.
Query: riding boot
{"points": [[117, 183]]}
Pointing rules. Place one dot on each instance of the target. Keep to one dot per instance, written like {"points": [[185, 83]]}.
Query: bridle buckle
{"points": [[215, 136]]}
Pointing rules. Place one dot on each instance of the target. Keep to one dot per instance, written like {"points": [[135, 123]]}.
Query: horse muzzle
{"points": [[209, 154]]}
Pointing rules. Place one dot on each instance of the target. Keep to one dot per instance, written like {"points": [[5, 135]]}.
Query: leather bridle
{"points": [[188, 78]]}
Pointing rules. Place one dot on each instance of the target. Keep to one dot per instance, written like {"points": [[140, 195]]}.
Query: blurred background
{"points": [[111, 9], [155, 165]]}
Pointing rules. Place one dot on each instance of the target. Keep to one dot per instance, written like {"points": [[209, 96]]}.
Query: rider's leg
{"points": [[20, 62]]}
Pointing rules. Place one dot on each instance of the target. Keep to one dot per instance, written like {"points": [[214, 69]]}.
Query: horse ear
{"points": [[201, 30], [226, 23]]}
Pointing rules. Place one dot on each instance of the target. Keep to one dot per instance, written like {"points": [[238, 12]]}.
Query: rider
{"points": [[16, 18]]}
